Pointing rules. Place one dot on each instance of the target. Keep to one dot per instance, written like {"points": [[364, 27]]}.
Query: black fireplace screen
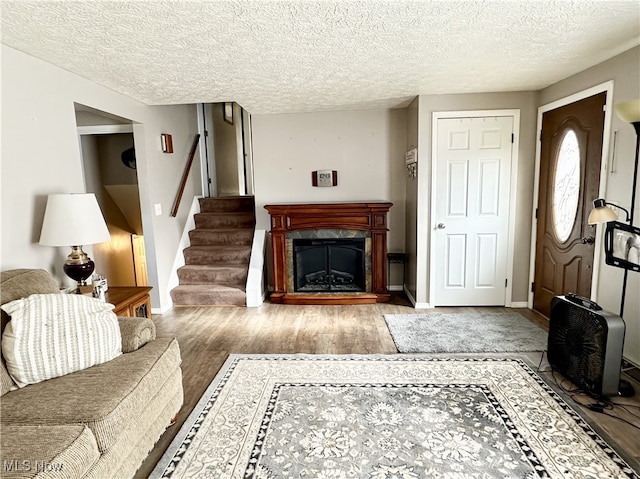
{"points": [[329, 265]]}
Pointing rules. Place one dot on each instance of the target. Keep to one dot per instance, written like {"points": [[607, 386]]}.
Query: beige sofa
{"points": [[100, 422]]}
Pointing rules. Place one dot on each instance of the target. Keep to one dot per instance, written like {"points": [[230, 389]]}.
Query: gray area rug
{"points": [[380, 417], [465, 333]]}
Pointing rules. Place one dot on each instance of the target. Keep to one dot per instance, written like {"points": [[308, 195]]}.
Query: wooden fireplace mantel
{"points": [[367, 216]]}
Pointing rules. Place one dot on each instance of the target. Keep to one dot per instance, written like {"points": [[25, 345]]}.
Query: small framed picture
{"points": [[166, 142], [411, 156], [228, 112], [324, 178]]}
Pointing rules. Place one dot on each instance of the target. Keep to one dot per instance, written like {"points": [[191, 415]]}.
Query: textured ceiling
{"points": [[285, 56]]}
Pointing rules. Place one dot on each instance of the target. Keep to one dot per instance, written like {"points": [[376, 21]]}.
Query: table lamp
{"points": [[74, 220]]}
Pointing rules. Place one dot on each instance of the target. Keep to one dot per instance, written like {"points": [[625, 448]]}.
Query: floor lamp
{"points": [[629, 112], [601, 213]]}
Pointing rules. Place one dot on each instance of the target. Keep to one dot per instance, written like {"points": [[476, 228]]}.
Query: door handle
{"points": [[440, 226], [588, 240]]}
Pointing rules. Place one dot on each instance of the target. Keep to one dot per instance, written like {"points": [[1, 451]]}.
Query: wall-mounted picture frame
{"points": [[324, 178], [227, 111], [622, 245], [166, 143], [411, 156]]}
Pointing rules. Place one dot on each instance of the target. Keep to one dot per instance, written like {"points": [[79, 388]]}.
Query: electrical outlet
{"points": [[158, 208]]}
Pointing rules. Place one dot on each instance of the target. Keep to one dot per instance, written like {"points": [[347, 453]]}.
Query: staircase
{"points": [[217, 261]]}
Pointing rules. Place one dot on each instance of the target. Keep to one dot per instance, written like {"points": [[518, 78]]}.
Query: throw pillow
{"points": [[51, 335]]}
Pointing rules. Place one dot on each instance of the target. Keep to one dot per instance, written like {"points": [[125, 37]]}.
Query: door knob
{"points": [[440, 226], [588, 240]]}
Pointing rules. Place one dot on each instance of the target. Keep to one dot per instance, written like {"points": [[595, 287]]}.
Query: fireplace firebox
{"points": [[322, 265]]}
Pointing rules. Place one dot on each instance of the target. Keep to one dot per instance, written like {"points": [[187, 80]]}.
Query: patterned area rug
{"points": [[378, 417], [465, 333]]}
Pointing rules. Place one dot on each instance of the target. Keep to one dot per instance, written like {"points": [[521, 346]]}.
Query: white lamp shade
{"points": [[73, 220], [629, 111], [603, 214]]}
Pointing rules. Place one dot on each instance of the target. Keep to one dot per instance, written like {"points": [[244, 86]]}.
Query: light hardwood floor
{"points": [[207, 335]]}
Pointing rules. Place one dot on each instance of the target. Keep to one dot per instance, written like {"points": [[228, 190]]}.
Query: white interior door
{"points": [[471, 211]]}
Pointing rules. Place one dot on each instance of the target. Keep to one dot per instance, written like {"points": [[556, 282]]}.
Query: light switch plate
{"points": [[158, 209]]}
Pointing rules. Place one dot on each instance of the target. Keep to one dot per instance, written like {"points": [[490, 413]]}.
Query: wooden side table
{"points": [[131, 301]]}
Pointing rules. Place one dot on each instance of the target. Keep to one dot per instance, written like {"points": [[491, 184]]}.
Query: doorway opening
{"points": [[110, 172], [226, 159]]}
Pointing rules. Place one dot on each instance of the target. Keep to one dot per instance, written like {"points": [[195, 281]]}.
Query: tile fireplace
{"points": [[329, 253]]}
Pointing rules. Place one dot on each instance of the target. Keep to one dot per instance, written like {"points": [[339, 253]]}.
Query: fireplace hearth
{"points": [[329, 253]]}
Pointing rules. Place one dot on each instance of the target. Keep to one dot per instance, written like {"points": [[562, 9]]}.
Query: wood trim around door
{"points": [[606, 135], [515, 114]]}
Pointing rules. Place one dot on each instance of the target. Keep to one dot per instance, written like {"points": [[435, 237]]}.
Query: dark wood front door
{"points": [[570, 158]]}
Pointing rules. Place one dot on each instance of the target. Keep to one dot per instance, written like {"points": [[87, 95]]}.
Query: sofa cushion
{"points": [[124, 458], [68, 451], [106, 397], [16, 284], [51, 335], [20, 283]]}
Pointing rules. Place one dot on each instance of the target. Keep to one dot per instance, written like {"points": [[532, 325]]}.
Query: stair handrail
{"points": [[185, 175]]}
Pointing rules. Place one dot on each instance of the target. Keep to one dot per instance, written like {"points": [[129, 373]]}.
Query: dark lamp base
{"points": [[79, 272]]}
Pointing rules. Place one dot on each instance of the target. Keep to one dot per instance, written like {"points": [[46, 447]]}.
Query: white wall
{"points": [[624, 70], [41, 155], [411, 209], [366, 148]]}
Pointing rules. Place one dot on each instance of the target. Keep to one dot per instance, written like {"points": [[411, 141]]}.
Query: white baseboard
{"points": [[518, 304], [161, 310], [416, 305], [422, 306], [409, 295]]}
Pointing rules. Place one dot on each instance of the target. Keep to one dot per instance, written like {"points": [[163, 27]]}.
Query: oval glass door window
{"points": [[566, 186]]}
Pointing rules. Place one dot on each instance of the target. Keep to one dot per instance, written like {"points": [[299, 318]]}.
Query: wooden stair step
{"points": [[210, 220], [208, 295], [227, 203], [217, 255], [210, 274], [222, 236], [217, 260]]}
